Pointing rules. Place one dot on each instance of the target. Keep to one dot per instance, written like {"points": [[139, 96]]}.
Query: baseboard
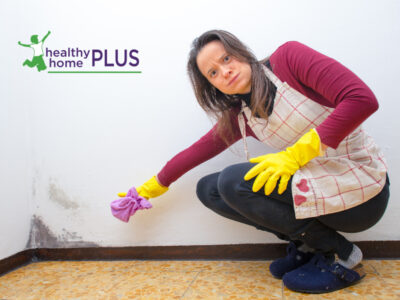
{"points": [[16, 261], [370, 249]]}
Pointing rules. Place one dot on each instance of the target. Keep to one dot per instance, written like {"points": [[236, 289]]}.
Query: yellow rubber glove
{"points": [[283, 164], [150, 189]]}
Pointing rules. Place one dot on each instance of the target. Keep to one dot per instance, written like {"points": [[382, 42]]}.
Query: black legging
{"points": [[229, 195]]}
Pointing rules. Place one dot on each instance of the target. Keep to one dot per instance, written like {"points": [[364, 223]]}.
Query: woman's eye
{"points": [[227, 58], [213, 73]]}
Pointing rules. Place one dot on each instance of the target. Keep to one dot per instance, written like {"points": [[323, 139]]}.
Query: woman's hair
{"points": [[218, 104]]}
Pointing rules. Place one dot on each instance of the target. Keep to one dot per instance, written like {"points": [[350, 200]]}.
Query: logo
{"points": [[78, 60], [37, 59]]}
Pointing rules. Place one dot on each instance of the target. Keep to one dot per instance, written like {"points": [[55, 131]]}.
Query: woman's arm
{"points": [[210, 145], [320, 76]]}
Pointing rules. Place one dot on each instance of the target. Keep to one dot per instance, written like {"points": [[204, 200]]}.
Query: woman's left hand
{"points": [[282, 165], [269, 169]]}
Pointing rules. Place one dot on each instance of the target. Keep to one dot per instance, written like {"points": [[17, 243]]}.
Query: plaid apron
{"points": [[341, 179]]}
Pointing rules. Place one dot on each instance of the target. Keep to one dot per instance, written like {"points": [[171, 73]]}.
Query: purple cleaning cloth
{"points": [[124, 208]]}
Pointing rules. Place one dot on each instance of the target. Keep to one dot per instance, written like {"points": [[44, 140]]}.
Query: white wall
{"points": [[91, 136], [16, 203]]}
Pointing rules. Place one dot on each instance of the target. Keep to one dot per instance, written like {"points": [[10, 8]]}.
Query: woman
{"points": [[329, 175]]}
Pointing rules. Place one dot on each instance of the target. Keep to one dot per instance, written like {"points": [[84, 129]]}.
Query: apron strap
{"points": [[241, 115], [271, 76], [242, 126]]}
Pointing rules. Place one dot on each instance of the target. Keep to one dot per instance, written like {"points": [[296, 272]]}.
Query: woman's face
{"points": [[224, 71]]}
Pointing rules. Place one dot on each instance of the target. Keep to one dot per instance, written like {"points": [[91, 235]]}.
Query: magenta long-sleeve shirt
{"points": [[313, 74]]}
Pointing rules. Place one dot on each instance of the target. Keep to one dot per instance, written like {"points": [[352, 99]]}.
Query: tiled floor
{"points": [[179, 280]]}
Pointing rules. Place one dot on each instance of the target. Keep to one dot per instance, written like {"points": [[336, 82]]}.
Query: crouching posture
{"points": [[327, 175]]}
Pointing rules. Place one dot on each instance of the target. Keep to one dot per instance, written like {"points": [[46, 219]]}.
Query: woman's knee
{"points": [[206, 186], [231, 179]]}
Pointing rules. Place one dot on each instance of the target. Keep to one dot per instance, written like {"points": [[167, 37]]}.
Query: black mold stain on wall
{"points": [[41, 236], [59, 196]]}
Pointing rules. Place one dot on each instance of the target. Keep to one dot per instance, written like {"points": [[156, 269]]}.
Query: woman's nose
{"points": [[226, 71]]}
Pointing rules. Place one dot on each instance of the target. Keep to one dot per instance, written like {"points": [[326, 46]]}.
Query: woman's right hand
{"points": [[150, 189]]}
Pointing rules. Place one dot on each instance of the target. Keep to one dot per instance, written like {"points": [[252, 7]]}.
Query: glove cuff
{"points": [[321, 152], [152, 188], [306, 148]]}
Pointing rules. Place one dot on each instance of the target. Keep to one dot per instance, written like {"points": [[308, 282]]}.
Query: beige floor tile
{"points": [[235, 284], [386, 266], [179, 280]]}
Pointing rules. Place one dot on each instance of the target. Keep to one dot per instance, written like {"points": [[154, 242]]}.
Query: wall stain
{"points": [[35, 180], [33, 187], [41, 236], [57, 195]]}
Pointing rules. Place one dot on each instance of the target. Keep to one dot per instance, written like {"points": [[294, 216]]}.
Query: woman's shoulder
{"points": [[290, 48], [293, 55], [289, 44]]}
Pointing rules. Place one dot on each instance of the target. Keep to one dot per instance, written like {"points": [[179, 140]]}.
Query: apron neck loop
{"points": [[242, 126]]}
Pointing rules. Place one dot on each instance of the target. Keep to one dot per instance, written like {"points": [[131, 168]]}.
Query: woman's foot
{"points": [[322, 275], [294, 259]]}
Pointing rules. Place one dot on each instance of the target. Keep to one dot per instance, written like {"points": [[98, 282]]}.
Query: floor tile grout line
{"points": [[190, 284], [376, 271], [283, 291]]}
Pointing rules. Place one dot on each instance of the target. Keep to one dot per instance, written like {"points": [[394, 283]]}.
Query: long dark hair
{"points": [[218, 104]]}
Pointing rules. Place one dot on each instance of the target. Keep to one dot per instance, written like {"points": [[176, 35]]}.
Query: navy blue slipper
{"points": [[290, 262], [322, 275]]}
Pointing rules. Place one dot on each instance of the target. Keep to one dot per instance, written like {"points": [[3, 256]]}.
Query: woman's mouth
{"points": [[233, 79]]}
